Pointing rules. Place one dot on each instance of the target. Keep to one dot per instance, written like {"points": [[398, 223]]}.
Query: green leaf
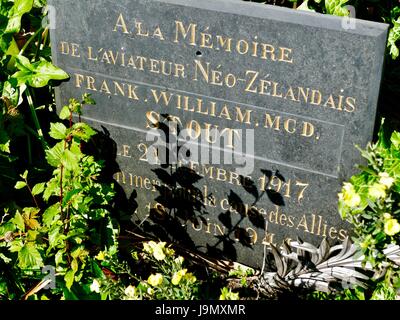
{"points": [[20, 185], [54, 155], [38, 74], [69, 278], [45, 71], [87, 99], [29, 257], [58, 131], [19, 8], [32, 235], [4, 145], [38, 189], [82, 131], [395, 139], [18, 220], [11, 92], [55, 237], [65, 113], [336, 7], [16, 245], [30, 215], [52, 188], [74, 265], [394, 36], [70, 160], [24, 175], [23, 63], [51, 215]]}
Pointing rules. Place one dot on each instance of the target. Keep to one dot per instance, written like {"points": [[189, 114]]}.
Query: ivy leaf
{"points": [[38, 189], [23, 63], [58, 131], [336, 7], [38, 74], [15, 14], [11, 92], [18, 220], [20, 184], [29, 257]]}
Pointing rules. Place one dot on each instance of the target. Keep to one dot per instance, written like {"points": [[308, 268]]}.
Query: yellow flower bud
{"points": [[190, 278], [101, 256], [176, 278]]}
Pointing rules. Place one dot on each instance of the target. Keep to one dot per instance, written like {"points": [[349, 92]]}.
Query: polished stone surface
{"points": [[305, 83]]}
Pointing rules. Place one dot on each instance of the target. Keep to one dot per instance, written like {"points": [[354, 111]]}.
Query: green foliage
{"points": [[227, 294], [370, 202], [169, 280], [383, 11], [394, 33], [71, 223], [37, 74]]}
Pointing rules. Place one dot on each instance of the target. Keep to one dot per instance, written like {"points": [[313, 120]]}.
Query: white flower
{"points": [[377, 191], [155, 279], [95, 286], [130, 291], [385, 179], [387, 216], [349, 196]]}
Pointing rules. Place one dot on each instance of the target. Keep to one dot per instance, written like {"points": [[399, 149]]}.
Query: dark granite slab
{"points": [[306, 85]]}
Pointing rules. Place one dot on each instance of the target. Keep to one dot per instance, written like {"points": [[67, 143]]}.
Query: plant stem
{"points": [[35, 119], [30, 40], [38, 46]]}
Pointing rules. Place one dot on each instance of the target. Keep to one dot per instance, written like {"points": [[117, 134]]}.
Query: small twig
{"points": [[30, 191]]}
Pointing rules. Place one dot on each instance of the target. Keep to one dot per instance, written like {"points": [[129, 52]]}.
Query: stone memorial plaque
{"points": [[296, 90]]}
